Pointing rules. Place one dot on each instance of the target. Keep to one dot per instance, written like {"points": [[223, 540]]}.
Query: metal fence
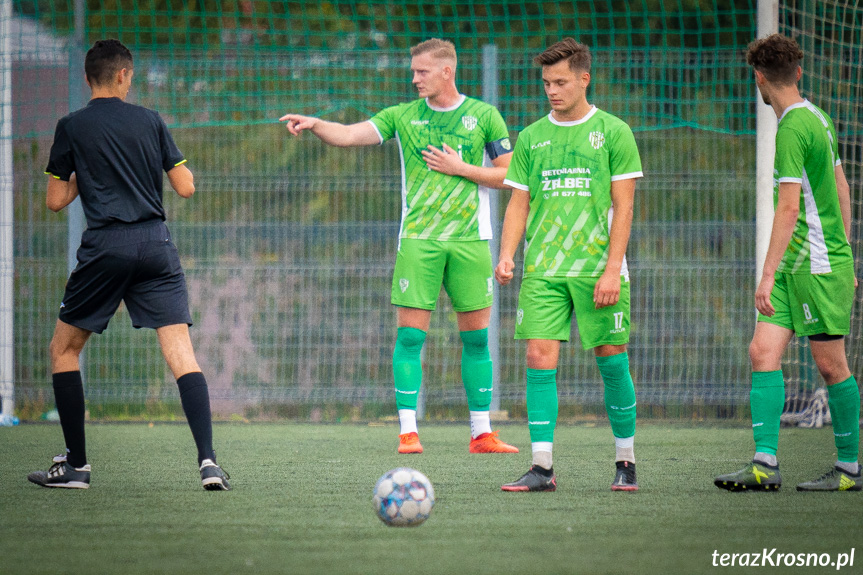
{"points": [[288, 245]]}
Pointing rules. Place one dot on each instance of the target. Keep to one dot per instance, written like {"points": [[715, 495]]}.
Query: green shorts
{"points": [[811, 304], [546, 305], [464, 269]]}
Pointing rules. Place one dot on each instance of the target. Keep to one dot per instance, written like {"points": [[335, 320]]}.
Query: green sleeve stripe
{"points": [[53, 176], [181, 162]]}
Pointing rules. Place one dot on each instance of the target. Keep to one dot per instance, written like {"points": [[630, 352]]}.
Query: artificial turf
{"points": [[302, 503]]}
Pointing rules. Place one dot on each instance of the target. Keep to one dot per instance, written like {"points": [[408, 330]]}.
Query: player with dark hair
{"points": [[445, 226], [807, 286], [112, 154], [573, 176]]}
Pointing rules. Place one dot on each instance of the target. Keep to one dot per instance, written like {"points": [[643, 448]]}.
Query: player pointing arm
{"points": [[445, 137], [445, 159], [333, 133]]}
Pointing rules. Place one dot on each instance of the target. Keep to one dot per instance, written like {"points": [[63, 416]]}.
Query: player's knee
{"points": [[829, 355], [754, 352], [540, 358], [57, 348], [833, 371], [61, 349], [409, 341], [763, 357], [475, 343], [608, 350]]}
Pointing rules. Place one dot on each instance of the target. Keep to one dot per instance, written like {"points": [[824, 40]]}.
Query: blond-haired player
{"points": [[445, 227]]}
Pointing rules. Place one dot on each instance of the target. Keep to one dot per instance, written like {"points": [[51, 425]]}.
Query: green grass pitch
{"points": [[302, 503]]}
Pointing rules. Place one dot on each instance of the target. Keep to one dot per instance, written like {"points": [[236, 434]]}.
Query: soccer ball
{"points": [[403, 497]]}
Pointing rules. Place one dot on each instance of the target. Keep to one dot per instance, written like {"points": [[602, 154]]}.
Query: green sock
{"points": [[766, 400], [476, 369], [541, 404], [619, 393], [407, 366], [844, 402]]}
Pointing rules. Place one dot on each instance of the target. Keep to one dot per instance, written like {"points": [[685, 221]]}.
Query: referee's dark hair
{"points": [[105, 59]]}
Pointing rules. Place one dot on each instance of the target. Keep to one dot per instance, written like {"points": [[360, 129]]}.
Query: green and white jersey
{"points": [[437, 206], [807, 153], [568, 168]]}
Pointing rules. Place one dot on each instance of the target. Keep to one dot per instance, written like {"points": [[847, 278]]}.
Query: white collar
{"points": [[451, 108], [589, 115], [804, 104]]}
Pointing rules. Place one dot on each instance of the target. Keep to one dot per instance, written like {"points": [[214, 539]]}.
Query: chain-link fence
{"points": [[288, 245]]}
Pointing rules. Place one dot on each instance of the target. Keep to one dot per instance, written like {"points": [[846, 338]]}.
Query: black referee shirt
{"points": [[118, 151]]}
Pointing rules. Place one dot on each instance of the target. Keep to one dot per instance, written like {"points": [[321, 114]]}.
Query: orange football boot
{"points": [[489, 443], [410, 443]]}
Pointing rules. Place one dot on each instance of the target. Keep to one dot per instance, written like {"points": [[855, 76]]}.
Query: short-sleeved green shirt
{"points": [[437, 206], [568, 168], [807, 154]]}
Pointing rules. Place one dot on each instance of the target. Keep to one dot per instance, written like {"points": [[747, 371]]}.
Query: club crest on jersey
{"points": [[597, 139], [403, 285], [469, 122], [519, 316]]}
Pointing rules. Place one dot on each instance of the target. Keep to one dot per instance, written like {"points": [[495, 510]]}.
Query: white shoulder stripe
{"points": [[516, 185], [811, 107], [378, 132], [792, 107], [628, 176]]}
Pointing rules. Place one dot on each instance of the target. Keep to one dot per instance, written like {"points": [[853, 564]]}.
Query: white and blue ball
{"points": [[403, 497]]}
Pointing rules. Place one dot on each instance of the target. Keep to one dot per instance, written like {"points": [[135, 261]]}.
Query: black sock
{"points": [[543, 471], [69, 396], [196, 405]]}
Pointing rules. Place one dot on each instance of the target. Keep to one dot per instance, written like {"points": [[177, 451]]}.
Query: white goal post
{"points": [[765, 148], [7, 263]]}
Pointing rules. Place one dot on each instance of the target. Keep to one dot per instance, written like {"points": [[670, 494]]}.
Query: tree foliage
{"points": [[215, 25]]}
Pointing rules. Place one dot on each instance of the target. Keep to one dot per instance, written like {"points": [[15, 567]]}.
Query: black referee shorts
{"points": [[136, 263]]}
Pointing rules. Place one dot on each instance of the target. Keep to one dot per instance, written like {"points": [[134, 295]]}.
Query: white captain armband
{"points": [[498, 148]]}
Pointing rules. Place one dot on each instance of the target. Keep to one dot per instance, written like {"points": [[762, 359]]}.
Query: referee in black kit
{"points": [[112, 154]]}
